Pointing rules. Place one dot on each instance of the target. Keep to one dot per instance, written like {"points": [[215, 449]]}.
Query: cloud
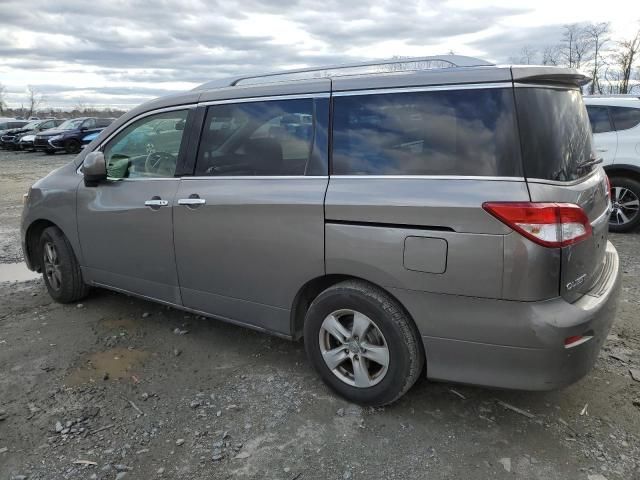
{"points": [[126, 51]]}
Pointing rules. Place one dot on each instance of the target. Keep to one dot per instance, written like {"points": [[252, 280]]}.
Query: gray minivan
{"points": [[439, 216]]}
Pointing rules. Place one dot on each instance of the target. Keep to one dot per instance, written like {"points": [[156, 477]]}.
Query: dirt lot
{"points": [[122, 388]]}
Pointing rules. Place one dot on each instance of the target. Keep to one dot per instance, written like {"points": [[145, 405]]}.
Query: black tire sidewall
{"points": [[634, 186], [399, 356], [72, 146], [67, 292]]}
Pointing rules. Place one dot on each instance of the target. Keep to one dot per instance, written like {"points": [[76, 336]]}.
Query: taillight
{"points": [[547, 224]]}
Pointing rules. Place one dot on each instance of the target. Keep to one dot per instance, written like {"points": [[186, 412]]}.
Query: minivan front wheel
{"points": [[362, 343], [625, 204], [60, 268]]}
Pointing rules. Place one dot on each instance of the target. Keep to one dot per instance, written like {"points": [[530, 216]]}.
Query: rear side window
{"points": [[625, 117], [452, 132], [555, 133], [270, 138], [599, 118]]}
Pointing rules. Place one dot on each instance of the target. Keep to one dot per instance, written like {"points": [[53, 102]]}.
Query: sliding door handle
{"points": [[191, 201]]}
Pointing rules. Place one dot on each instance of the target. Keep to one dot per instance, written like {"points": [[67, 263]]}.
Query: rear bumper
{"points": [[509, 344]]}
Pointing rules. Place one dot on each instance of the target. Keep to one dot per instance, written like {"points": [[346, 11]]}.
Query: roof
{"points": [[613, 100]]}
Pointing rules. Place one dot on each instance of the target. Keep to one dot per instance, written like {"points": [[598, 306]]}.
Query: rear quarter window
{"points": [[625, 118], [451, 132], [555, 133], [599, 118]]}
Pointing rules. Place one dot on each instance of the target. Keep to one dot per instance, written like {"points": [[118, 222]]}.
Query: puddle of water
{"points": [[118, 363], [16, 272]]}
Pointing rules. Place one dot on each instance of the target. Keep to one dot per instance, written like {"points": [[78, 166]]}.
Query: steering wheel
{"points": [[156, 162]]}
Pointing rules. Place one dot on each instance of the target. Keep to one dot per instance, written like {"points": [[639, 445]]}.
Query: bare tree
{"points": [[35, 99], [598, 36], [551, 55], [3, 104], [626, 58], [528, 55], [576, 45]]}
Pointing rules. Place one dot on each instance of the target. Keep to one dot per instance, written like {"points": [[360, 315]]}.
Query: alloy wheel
{"points": [[354, 348], [625, 206], [52, 266]]}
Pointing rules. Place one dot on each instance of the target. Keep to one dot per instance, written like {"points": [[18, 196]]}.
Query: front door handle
{"points": [[156, 202]]}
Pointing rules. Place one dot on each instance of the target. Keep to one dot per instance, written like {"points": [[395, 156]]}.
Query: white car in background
{"points": [[615, 121]]}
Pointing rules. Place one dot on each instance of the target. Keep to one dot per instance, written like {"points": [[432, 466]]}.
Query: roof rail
{"points": [[374, 66]]}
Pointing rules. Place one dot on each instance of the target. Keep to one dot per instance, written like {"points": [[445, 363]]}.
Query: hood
{"points": [[53, 131]]}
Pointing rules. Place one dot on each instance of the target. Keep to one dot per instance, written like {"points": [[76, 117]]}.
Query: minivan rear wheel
{"points": [[362, 343], [625, 203], [60, 268]]}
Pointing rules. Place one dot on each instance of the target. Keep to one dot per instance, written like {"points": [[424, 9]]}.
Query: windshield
{"points": [[555, 134], [71, 124], [32, 125]]}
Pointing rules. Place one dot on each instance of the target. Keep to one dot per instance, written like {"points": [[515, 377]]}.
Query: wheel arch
{"points": [[32, 241], [623, 170], [310, 290]]}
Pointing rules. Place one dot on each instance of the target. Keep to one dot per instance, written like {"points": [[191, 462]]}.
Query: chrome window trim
{"points": [[255, 177], [567, 183], [428, 88], [270, 98], [431, 177]]}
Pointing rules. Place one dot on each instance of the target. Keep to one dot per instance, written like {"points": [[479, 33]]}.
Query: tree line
{"points": [[35, 106], [613, 64]]}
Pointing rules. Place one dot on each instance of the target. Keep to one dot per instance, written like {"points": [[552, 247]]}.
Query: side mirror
{"points": [[94, 169], [83, 129]]}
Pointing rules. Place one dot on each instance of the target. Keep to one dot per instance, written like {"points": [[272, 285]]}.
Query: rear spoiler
{"points": [[549, 75]]}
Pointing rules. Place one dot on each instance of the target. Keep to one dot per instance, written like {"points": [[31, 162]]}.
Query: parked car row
{"points": [[51, 135]]}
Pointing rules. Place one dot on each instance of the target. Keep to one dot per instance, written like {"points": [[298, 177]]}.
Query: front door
{"points": [[605, 138], [249, 226], [125, 223]]}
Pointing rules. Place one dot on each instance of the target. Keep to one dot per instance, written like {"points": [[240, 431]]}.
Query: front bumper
{"points": [[510, 344]]}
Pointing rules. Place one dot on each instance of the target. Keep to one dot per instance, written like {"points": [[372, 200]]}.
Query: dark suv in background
{"points": [[69, 135], [11, 139]]}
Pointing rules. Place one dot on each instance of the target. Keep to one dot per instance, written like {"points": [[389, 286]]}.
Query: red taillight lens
{"points": [[547, 224]]}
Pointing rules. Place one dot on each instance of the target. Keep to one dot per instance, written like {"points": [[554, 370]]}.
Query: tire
{"points": [[60, 268], [72, 146], [625, 199], [390, 327]]}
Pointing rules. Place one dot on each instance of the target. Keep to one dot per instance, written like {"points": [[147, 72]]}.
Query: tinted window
{"points": [[625, 117], [103, 122], [599, 118], [257, 138], [89, 123], [454, 132], [555, 133], [147, 148]]}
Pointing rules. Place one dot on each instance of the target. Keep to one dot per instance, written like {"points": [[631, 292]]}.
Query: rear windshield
{"points": [[555, 134], [452, 132]]}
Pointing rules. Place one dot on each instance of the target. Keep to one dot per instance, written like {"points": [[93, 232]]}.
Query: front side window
{"points": [[89, 123], [453, 132], [148, 147], [257, 138], [599, 118], [625, 118]]}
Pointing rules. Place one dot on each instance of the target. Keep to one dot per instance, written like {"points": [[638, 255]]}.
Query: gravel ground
{"points": [[120, 388]]}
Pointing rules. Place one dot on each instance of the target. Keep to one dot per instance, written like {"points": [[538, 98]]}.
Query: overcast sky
{"points": [[123, 52]]}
